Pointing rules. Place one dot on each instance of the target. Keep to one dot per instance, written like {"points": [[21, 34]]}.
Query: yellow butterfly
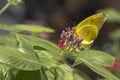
{"points": [[88, 29]]}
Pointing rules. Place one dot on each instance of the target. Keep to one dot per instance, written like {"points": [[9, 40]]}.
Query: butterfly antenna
{"points": [[71, 22]]}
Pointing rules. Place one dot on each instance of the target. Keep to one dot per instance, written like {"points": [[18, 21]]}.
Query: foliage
{"points": [[38, 59], [20, 27], [30, 58], [113, 14], [114, 17], [9, 3], [115, 37], [44, 62]]}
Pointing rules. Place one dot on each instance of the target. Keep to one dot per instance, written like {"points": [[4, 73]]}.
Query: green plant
{"points": [[113, 47], [113, 14], [38, 59], [9, 3], [32, 58]]}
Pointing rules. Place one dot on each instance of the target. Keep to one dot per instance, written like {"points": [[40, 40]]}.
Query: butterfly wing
{"points": [[96, 20], [88, 29]]}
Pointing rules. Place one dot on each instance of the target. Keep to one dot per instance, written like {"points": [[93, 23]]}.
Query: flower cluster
{"points": [[69, 41]]}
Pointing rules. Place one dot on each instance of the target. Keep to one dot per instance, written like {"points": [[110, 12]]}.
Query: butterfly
{"points": [[88, 29]]}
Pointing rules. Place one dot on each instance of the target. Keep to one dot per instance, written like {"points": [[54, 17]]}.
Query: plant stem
{"points": [[75, 64], [4, 8]]}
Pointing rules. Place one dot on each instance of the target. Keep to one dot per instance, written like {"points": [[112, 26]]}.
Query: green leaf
{"points": [[78, 75], [32, 75], [95, 56], [113, 14], [25, 46], [64, 72], [43, 74], [95, 60], [8, 40], [28, 75], [5, 73], [10, 28], [50, 75], [44, 44], [33, 28], [100, 70], [18, 59], [46, 58], [20, 27]]}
